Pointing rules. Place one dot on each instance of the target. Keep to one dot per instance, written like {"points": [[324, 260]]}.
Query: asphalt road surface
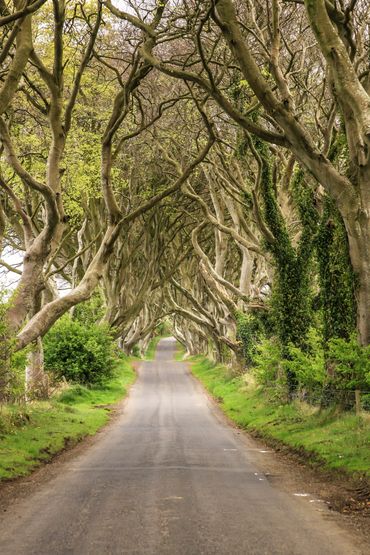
{"points": [[168, 477]]}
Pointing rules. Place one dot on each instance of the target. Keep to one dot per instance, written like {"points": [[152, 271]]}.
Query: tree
{"points": [[38, 196], [261, 53]]}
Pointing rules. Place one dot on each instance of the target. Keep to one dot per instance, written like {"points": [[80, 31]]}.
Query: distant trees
{"points": [[270, 58]]}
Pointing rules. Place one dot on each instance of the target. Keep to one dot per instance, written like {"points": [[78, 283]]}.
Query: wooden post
{"points": [[358, 401]]}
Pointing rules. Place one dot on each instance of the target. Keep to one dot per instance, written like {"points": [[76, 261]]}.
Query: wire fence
{"points": [[347, 399], [357, 400]]}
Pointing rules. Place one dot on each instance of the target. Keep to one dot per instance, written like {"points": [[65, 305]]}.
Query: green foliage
{"points": [[337, 281], [239, 92], [291, 300], [79, 353], [302, 354], [281, 247], [250, 330], [163, 329], [91, 311], [136, 351], [18, 362], [267, 369], [351, 363], [304, 199], [308, 365], [75, 394], [291, 303]]}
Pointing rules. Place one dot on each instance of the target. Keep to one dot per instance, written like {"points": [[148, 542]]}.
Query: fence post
{"points": [[358, 401]]}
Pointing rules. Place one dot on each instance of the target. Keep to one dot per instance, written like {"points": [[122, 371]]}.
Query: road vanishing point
{"points": [[168, 476]]}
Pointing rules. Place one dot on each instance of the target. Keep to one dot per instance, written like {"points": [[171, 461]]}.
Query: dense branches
{"points": [[191, 161]]}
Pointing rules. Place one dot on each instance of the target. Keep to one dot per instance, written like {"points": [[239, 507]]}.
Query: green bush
{"points": [[308, 365], [351, 363], [79, 353], [91, 311], [18, 362], [327, 375], [271, 365], [267, 367]]}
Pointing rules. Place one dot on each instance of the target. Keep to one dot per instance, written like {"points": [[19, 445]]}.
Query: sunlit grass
{"points": [[32, 434]]}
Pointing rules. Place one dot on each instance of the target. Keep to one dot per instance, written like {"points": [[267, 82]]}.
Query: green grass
{"points": [[32, 434], [339, 441]]}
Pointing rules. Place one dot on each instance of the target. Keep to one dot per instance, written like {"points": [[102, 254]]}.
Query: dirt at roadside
{"points": [[300, 473], [297, 473]]}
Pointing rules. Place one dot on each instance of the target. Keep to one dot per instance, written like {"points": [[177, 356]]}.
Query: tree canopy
{"points": [[206, 164]]}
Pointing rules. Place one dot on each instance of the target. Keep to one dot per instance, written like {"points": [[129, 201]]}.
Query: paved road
{"points": [[168, 477]]}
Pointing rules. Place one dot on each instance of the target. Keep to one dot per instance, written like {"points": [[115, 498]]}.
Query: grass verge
{"points": [[339, 441], [33, 434]]}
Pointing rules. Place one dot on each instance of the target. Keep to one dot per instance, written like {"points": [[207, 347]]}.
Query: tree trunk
{"points": [[5, 374], [358, 229], [37, 382]]}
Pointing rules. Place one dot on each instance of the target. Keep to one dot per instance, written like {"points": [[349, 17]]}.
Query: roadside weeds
{"points": [[41, 430]]}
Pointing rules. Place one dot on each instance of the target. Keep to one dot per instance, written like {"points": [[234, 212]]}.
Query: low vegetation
{"points": [[324, 373], [32, 434], [80, 353], [152, 347]]}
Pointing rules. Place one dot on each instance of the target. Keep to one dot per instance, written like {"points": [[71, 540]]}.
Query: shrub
{"points": [[308, 365], [327, 375], [271, 365], [351, 363], [79, 353], [91, 311], [267, 363], [18, 362]]}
